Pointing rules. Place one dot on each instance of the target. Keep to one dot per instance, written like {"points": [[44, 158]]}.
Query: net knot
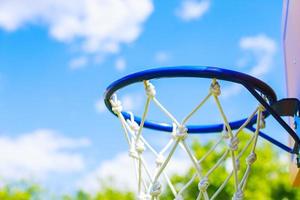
{"points": [[133, 126], [251, 158], [155, 189], [262, 123], [180, 133], [140, 147], [133, 153], [261, 108], [203, 184], [225, 133], [150, 89], [116, 105], [233, 144], [239, 195], [215, 88], [159, 159]]}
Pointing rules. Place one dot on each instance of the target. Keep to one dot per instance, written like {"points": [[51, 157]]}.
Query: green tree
{"points": [[104, 194], [20, 191], [110, 194], [25, 191], [269, 177]]}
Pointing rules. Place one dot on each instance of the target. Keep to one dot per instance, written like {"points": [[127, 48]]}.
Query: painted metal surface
{"points": [[291, 47]]}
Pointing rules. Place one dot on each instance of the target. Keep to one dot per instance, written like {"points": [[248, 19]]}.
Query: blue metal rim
{"points": [[247, 81]]}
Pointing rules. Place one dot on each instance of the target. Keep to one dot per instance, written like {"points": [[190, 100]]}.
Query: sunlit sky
{"points": [[57, 58]]}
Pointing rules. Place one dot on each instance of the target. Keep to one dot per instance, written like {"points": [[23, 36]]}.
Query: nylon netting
{"points": [[149, 184]]}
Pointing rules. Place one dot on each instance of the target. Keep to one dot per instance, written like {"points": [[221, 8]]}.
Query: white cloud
{"points": [[120, 64], [263, 49], [192, 9], [162, 57], [78, 63], [119, 172], [99, 26], [38, 154]]}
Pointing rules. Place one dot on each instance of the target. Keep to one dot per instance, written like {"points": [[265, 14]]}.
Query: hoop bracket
{"points": [[287, 107], [290, 107]]}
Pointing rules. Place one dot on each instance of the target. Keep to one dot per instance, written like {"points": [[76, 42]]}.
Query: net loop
{"points": [[116, 105], [261, 108], [133, 153], [239, 195], [233, 144], [215, 88], [262, 123], [225, 133], [251, 158], [132, 124], [180, 132], [159, 160], [150, 89], [203, 184], [140, 147], [155, 189]]}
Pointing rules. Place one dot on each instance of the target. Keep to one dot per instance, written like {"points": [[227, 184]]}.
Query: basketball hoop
{"points": [[148, 182]]}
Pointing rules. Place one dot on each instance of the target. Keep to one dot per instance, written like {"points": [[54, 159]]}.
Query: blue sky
{"points": [[57, 58]]}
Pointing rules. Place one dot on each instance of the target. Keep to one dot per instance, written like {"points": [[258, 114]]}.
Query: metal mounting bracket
{"points": [[291, 107], [287, 107]]}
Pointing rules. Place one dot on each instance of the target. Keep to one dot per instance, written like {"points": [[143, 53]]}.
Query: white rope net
{"points": [[149, 185]]}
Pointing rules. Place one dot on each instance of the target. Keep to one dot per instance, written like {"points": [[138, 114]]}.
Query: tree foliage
{"points": [[20, 191], [104, 194], [269, 179]]}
